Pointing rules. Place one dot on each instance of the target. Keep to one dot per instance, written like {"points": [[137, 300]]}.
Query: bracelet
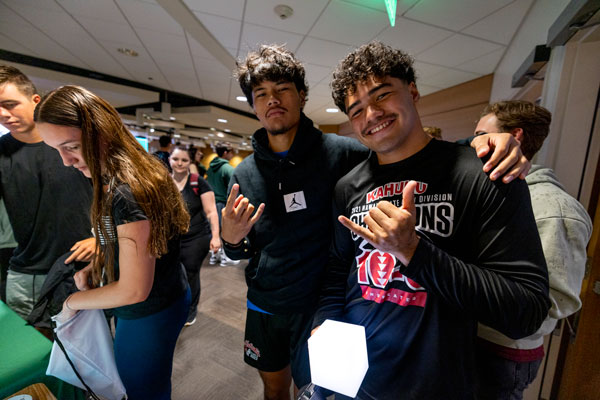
{"points": [[231, 245], [67, 302]]}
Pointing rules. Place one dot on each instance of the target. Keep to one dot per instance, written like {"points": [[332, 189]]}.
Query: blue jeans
{"points": [[144, 350], [502, 379]]}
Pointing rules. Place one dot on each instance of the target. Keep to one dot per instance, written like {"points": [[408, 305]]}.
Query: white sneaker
{"points": [[192, 322], [214, 258], [225, 261]]}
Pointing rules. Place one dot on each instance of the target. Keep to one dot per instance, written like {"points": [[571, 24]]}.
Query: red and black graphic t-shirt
{"points": [[479, 258]]}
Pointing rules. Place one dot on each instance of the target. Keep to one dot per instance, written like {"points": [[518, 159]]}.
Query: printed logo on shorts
{"points": [[294, 201], [251, 351]]}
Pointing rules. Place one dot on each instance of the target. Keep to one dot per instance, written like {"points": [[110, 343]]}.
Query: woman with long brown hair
{"points": [[138, 215]]}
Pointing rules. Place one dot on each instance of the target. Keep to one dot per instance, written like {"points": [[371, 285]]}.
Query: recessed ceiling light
{"points": [[127, 52], [172, 118], [227, 130], [222, 120], [211, 134], [176, 135], [151, 129], [220, 134], [241, 98], [332, 110], [212, 129]]}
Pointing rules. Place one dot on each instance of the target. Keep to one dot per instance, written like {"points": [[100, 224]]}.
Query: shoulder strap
{"points": [[89, 390], [194, 183]]}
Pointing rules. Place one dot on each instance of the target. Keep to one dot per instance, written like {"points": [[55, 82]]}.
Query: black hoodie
{"points": [[288, 246]]}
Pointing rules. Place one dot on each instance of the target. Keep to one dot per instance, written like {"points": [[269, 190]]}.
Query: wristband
{"points": [[231, 245], [67, 302]]}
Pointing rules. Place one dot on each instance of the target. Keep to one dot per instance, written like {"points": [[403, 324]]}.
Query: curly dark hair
{"points": [[373, 59], [533, 119], [270, 63]]}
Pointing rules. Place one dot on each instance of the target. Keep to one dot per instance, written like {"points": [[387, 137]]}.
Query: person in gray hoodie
{"points": [[507, 366]]}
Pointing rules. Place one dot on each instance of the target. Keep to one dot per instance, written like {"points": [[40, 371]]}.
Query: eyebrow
{"points": [[67, 141], [375, 89], [477, 133]]}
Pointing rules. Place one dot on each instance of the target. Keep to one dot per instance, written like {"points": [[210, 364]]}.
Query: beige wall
{"points": [[456, 110]]}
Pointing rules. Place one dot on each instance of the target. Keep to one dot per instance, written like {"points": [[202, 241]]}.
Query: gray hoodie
{"points": [[565, 229]]}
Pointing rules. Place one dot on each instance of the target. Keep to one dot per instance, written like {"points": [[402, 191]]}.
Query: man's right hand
{"points": [[237, 217]]}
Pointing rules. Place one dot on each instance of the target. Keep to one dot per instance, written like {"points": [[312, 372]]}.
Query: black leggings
{"points": [[193, 252]]}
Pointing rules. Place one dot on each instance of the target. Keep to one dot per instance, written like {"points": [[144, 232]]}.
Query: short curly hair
{"points": [[533, 119], [373, 59], [270, 63]]}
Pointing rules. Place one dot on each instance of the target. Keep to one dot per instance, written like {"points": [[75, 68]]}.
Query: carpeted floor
{"points": [[208, 360]]}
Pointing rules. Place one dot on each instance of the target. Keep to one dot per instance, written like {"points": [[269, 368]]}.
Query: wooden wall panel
{"points": [[456, 110]]}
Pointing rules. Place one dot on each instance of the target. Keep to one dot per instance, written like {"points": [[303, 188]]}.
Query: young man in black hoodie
{"points": [[427, 244], [290, 177]]}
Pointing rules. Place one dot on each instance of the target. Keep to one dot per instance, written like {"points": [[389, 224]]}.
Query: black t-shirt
{"points": [[47, 203], [169, 278], [193, 189], [479, 259]]}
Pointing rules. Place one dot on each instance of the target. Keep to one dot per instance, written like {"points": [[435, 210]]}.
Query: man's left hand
{"points": [[389, 228], [507, 158], [82, 250]]}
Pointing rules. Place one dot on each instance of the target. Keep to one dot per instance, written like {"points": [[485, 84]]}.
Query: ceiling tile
{"points": [[456, 50], [105, 10], [448, 78], [322, 89], [413, 37], [9, 44], [255, 35], [149, 16], [305, 12], [424, 90], [317, 73], [224, 8], [366, 23], [401, 6], [225, 30], [316, 103], [501, 26], [423, 70], [162, 42], [111, 31], [28, 36], [455, 14], [322, 52], [44, 5], [483, 65]]}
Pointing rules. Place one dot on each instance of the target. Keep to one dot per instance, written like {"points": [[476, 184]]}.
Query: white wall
{"points": [[533, 32]]}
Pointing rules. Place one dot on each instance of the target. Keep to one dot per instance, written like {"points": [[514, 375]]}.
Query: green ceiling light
{"points": [[390, 6]]}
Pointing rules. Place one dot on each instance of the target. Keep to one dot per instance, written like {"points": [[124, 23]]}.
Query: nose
{"points": [[273, 99], [4, 112], [373, 112], [66, 158]]}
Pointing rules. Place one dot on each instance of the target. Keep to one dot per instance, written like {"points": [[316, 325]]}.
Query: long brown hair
{"points": [[111, 152]]}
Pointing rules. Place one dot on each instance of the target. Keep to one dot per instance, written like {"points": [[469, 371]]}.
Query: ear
{"points": [[414, 92], [518, 134], [36, 99], [302, 95]]}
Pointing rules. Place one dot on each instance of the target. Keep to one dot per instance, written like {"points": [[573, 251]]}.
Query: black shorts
{"points": [[273, 342]]}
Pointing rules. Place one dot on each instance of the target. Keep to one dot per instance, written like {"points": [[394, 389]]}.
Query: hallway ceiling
{"points": [[452, 41]]}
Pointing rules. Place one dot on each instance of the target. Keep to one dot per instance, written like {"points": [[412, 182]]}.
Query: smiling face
{"points": [[180, 161], [278, 106], [384, 117], [16, 109], [67, 140]]}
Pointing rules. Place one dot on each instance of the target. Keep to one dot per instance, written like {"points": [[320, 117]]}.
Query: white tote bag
{"points": [[87, 341]]}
